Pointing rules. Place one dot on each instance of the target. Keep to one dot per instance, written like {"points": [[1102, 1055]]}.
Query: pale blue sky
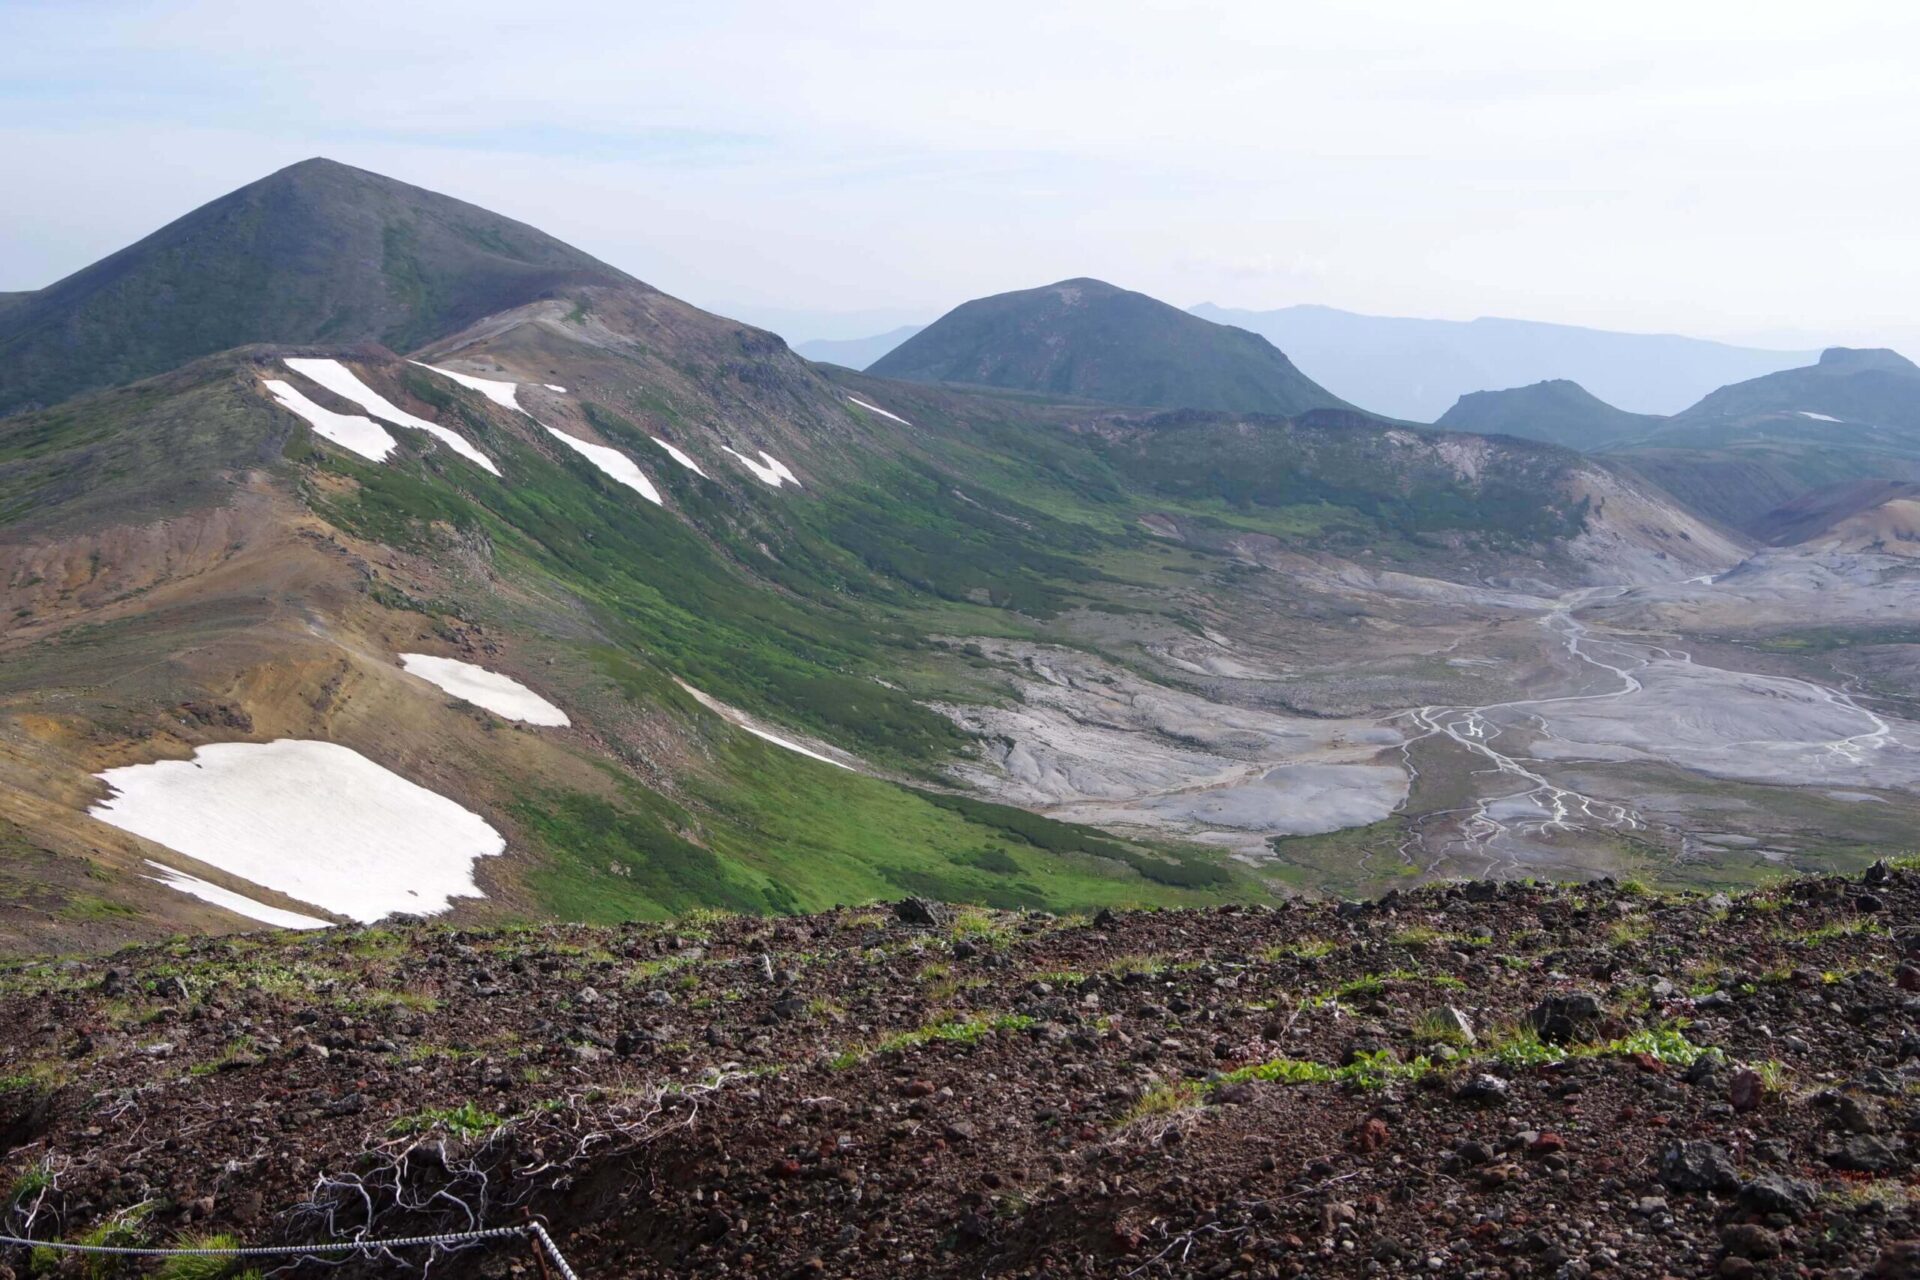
{"points": [[1731, 170]]}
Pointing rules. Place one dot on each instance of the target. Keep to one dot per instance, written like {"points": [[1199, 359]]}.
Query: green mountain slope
{"points": [[1557, 411], [186, 561], [318, 252], [1089, 340]]}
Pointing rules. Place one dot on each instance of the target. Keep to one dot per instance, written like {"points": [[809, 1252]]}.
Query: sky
{"points": [[1742, 171]]}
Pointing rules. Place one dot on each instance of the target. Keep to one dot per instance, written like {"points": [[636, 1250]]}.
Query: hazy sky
{"points": [[1743, 170]]}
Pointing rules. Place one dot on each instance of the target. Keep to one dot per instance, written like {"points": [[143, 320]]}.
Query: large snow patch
{"points": [[682, 458], [502, 695], [314, 820], [346, 384], [363, 436], [503, 394], [614, 464], [238, 903], [769, 469]]}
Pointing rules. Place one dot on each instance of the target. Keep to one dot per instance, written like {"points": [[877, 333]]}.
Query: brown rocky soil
{"points": [[1479, 1080]]}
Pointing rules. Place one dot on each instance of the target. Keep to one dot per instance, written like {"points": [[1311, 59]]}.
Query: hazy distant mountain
{"points": [[1417, 368], [1758, 445], [1558, 411], [1090, 340], [856, 353], [1877, 388], [318, 251]]}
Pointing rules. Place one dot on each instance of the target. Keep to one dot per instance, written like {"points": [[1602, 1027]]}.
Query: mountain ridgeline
{"points": [[1088, 340], [317, 252]]}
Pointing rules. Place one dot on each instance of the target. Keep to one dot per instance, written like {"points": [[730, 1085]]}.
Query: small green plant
{"points": [[182, 1267], [1628, 932], [950, 1031], [1439, 1026], [1164, 1099], [466, 1121], [1305, 949]]}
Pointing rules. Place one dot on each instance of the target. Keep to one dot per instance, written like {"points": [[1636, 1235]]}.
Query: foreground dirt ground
{"points": [[1492, 1080]]}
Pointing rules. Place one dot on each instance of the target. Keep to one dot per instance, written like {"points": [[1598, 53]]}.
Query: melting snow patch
{"points": [[313, 820], [343, 382], [874, 408], [740, 720], [501, 393], [614, 464], [682, 458], [769, 469], [557, 390], [363, 436], [1817, 417], [499, 694], [238, 903]]}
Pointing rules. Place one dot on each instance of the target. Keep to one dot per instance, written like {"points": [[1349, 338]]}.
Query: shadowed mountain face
{"points": [[318, 252], [1091, 341], [1559, 411], [1414, 368]]}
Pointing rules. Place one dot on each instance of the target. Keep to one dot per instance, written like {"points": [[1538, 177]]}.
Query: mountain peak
{"points": [[318, 250], [1858, 359], [1557, 410], [1091, 340]]}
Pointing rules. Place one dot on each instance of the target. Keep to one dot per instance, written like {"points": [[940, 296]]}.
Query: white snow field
{"points": [[363, 436], [770, 470], [1817, 417], [682, 458], [874, 408], [741, 720], [502, 695], [316, 821], [556, 390], [238, 903], [501, 393], [614, 464], [344, 383]]}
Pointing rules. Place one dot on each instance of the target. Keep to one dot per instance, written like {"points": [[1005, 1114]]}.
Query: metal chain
{"points": [[535, 1230]]}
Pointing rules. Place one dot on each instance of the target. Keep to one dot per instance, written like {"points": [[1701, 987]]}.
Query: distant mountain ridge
{"points": [[1557, 411], [856, 353], [1753, 447], [1093, 341], [316, 252], [1415, 369]]}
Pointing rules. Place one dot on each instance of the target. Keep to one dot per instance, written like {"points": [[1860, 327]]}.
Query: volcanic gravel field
{"points": [[1483, 1080]]}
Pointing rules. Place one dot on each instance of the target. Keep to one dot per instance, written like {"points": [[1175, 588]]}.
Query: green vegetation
{"points": [[963, 1031], [466, 1121]]}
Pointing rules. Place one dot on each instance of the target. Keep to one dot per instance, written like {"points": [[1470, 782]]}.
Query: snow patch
{"points": [[740, 720], [238, 903], [682, 458], [501, 393], [358, 435], [874, 408], [614, 464], [502, 695], [344, 383], [770, 470], [314, 820], [557, 390], [1817, 417]]}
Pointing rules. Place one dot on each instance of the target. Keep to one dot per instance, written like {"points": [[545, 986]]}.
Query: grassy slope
{"points": [[986, 520]]}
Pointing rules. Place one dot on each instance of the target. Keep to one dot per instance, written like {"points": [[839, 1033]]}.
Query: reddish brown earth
{"points": [[1060, 1097]]}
